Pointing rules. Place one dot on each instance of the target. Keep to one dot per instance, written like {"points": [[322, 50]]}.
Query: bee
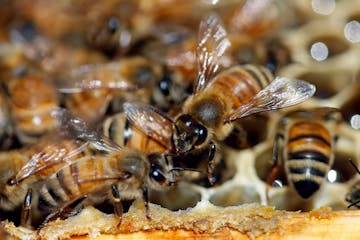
{"points": [[353, 197], [33, 98], [51, 171], [104, 27], [96, 86], [120, 130], [25, 166], [217, 101], [304, 146], [51, 56], [257, 19]]}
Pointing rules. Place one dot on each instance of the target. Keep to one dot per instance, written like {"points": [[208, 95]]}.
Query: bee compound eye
{"points": [[156, 173], [186, 119], [113, 24], [201, 132], [164, 85]]}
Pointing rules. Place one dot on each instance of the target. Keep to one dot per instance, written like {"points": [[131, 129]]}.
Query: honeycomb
{"points": [[246, 164]]}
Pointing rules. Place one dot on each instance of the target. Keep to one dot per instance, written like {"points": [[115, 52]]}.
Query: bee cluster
{"points": [[176, 102]]}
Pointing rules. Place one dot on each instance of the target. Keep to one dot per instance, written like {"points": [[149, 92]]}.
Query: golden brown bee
{"points": [[95, 86], [33, 98], [256, 18], [51, 56], [26, 165], [123, 174], [304, 146], [106, 26], [120, 130], [217, 101], [353, 197], [74, 163]]}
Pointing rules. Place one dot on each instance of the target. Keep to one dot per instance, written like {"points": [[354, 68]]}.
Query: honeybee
{"points": [[33, 98], [120, 130], [33, 163], [304, 146], [50, 170], [95, 86], [217, 101], [49, 55], [353, 197], [106, 27], [257, 18]]}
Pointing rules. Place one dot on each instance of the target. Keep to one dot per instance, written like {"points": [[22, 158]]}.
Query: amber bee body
{"points": [[121, 175], [305, 148], [73, 163], [95, 86], [33, 98], [51, 56], [104, 27], [32, 164], [228, 91], [121, 131], [232, 94]]}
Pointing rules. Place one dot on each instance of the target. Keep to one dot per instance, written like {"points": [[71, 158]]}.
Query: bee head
{"points": [[188, 134], [159, 175]]}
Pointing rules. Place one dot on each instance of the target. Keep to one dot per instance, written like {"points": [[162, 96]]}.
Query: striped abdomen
{"points": [[33, 100], [309, 156], [86, 175], [119, 129], [241, 83], [11, 196], [89, 105]]}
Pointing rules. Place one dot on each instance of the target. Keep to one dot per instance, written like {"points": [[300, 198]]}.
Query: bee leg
{"points": [[354, 204], [210, 167], [65, 212], [354, 165], [275, 169], [118, 208], [146, 201], [25, 212]]}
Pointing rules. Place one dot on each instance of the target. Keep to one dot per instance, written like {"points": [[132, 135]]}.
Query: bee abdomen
{"points": [[306, 171], [52, 194], [260, 74], [309, 155]]}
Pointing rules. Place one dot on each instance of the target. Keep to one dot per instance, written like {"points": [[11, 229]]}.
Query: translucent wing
{"points": [[281, 92], [211, 46], [62, 147], [325, 113], [96, 76], [151, 121]]}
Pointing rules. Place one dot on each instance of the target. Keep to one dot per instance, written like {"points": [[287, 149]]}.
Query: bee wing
{"points": [[151, 121], [211, 46], [78, 129], [63, 146], [94, 76], [326, 113], [281, 92]]}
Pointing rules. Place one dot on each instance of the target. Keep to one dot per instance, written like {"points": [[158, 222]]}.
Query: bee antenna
{"points": [[353, 204], [354, 165], [186, 169]]}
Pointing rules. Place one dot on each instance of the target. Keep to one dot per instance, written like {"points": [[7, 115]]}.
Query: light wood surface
{"points": [[335, 226]]}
